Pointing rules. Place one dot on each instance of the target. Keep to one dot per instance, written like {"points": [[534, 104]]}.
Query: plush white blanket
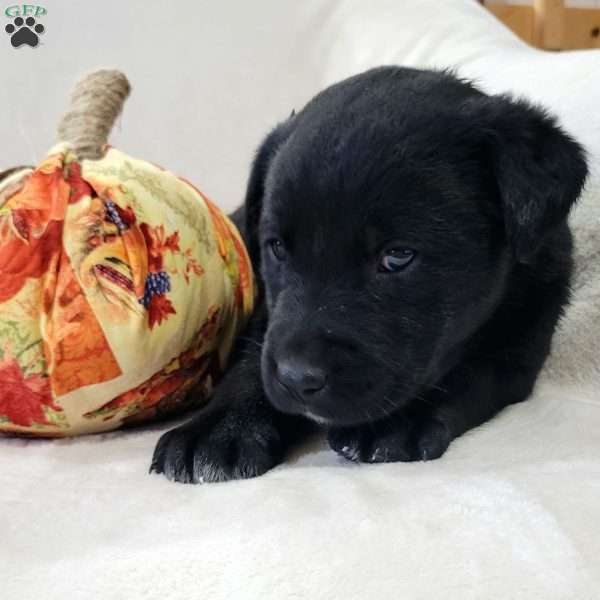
{"points": [[512, 511]]}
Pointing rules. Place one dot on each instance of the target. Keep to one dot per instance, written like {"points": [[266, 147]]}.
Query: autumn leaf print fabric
{"points": [[122, 289]]}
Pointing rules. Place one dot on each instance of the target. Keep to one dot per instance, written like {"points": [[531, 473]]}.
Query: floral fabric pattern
{"points": [[123, 288]]}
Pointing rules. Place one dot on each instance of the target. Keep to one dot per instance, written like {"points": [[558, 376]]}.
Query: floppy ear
{"points": [[539, 169], [256, 185]]}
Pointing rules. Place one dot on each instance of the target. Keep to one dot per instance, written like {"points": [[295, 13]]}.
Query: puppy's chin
{"points": [[287, 403], [318, 419], [327, 413]]}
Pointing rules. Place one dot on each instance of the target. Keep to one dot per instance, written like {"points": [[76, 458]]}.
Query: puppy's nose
{"points": [[300, 376]]}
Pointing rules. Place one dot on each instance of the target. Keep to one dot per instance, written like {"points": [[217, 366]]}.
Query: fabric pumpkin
{"points": [[122, 288]]}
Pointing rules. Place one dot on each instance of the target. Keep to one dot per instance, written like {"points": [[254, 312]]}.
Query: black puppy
{"points": [[411, 236]]}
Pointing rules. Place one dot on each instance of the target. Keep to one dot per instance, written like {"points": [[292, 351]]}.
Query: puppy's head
{"points": [[386, 218]]}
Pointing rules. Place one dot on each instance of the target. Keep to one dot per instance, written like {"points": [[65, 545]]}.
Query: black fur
{"points": [[395, 365]]}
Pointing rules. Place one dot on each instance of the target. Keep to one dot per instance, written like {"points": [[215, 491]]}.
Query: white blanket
{"points": [[512, 511]]}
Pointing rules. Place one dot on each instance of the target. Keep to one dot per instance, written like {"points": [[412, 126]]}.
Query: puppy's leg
{"points": [[467, 397], [239, 434]]}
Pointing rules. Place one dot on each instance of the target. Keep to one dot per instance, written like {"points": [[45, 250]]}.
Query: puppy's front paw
{"points": [[391, 440], [217, 447]]}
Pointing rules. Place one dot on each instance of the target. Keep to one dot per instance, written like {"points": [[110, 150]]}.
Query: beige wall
{"points": [[209, 78]]}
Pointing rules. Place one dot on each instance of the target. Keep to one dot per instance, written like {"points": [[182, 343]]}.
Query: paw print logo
{"points": [[24, 31]]}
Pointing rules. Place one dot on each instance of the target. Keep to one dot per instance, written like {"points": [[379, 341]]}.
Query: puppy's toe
{"points": [[346, 441], [431, 440], [173, 455], [410, 440]]}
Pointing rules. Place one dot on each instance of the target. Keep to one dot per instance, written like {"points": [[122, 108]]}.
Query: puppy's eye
{"points": [[395, 259], [277, 248]]}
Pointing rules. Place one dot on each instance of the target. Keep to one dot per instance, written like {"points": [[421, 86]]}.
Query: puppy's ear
{"points": [[539, 169], [256, 184]]}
